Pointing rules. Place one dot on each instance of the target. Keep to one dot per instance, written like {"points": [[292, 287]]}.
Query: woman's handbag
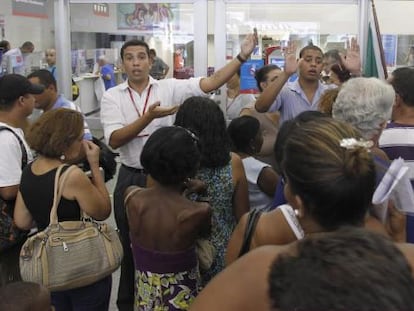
{"points": [[252, 219], [205, 253], [70, 254]]}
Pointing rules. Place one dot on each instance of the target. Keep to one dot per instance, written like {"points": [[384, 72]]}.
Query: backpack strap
{"points": [[24, 152]]}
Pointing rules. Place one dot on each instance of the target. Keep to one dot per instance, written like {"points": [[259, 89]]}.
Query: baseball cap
{"points": [[12, 86]]}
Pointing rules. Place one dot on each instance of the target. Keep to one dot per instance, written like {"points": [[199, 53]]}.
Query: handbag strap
{"points": [[252, 219], [130, 194], [60, 179]]}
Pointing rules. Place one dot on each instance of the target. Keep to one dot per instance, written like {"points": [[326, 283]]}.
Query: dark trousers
{"points": [[126, 177], [9, 265], [94, 297]]}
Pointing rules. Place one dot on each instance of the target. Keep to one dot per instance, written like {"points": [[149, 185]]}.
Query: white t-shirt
{"points": [[121, 106], [15, 60], [11, 156], [258, 199], [235, 105]]}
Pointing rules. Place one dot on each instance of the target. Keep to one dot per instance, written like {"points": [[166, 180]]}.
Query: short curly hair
{"points": [[55, 131], [366, 103], [171, 155]]}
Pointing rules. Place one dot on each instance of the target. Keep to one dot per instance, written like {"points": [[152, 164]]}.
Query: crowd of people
{"points": [[270, 211]]}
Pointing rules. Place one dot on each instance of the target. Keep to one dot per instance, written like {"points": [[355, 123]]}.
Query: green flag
{"points": [[374, 57]]}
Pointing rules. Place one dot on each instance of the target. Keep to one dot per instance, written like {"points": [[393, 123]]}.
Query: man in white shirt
{"points": [[14, 60], [16, 104], [132, 111]]}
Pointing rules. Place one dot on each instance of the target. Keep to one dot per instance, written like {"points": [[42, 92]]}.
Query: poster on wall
{"points": [[248, 84], [147, 16], [30, 8], [389, 43], [101, 9]]}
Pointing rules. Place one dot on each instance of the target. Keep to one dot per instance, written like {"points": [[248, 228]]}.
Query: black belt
{"points": [[133, 169]]}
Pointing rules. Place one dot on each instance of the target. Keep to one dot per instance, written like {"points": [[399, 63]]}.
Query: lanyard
{"points": [[231, 103], [146, 101]]}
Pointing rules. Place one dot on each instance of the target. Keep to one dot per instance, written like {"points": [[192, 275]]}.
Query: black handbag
{"points": [[252, 219], [107, 159]]}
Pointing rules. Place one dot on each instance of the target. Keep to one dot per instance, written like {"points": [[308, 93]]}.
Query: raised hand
{"points": [[92, 152], [155, 111], [291, 62], [352, 59], [247, 46]]}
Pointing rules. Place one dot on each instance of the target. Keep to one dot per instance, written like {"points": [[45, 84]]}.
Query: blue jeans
{"points": [[94, 297]]}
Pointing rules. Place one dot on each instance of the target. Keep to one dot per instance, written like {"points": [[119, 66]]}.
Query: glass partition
{"points": [[326, 25], [166, 27]]}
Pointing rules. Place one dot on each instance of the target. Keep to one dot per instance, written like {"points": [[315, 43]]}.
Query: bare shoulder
{"points": [[76, 181], [242, 285], [194, 210], [408, 250], [235, 158], [132, 190], [272, 228], [236, 164]]}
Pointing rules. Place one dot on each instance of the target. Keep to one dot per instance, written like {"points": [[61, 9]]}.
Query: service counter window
{"points": [[326, 25], [397, 29], [168, 28]]}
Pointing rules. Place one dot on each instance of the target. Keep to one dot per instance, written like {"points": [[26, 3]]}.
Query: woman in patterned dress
{"points": [[221, 170]]}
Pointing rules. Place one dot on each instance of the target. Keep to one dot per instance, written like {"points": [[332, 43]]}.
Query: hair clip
{"points": [[193, 136], [352, 143]]}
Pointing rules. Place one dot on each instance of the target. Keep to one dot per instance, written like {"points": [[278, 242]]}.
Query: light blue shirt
{"points": [[62, 102], [292, 100], [52, 70]]}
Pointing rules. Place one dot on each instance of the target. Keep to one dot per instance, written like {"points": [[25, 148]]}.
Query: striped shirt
{"points": [[292, 100]]}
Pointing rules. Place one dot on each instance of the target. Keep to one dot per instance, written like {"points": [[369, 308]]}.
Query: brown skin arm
{"points": [[241, 193], [242, 286], [9, 192], [267, 181], [269, 94], [91, 195], [22, 216], [224, 74], [127, 133], [236, 241]]}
